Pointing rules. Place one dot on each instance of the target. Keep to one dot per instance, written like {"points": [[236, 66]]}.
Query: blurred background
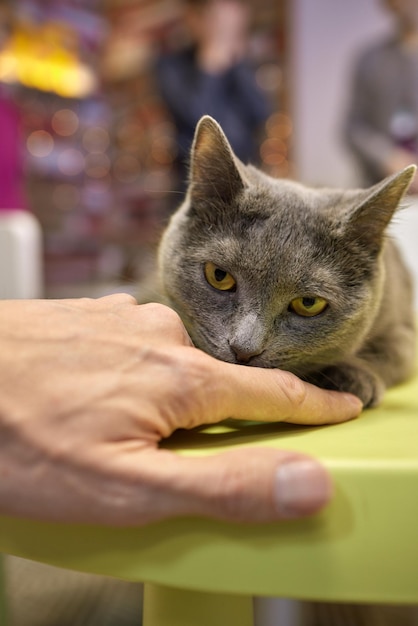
{"points": [[89, 146], [97, 140]]}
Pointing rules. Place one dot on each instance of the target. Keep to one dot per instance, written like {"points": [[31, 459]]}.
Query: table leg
{"points": [[165, 606], [277, 611], [3, 594]]}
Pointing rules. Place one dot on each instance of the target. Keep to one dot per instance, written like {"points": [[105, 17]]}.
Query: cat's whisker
{"points": [[163, 192]]}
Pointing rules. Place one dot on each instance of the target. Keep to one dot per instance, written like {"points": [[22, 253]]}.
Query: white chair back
{"points": [[21, 266], [405, 231]]}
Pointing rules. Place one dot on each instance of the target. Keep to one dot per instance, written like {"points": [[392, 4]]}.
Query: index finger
{"points": [[276, 395]]}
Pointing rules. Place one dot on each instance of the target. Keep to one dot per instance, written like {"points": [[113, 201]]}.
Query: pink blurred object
{"points": [[11, 170]]}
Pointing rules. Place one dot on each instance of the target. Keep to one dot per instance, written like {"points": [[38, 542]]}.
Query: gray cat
{"points": [[270, 273]]}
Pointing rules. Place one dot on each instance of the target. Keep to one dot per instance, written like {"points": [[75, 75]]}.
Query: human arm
{"points": [[88, 388]]}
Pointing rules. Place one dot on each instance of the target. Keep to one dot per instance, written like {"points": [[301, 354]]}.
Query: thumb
{"points": [[245, 485]]}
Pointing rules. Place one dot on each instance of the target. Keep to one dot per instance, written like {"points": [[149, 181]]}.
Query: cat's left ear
{"points": [[369, 218], [215, 172]]}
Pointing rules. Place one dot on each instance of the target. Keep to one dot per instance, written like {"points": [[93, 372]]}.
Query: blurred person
{"points": [[382, 124], [213, 76]]}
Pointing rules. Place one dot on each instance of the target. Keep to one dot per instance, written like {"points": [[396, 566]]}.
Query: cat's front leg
{"points": [[354, 376]]}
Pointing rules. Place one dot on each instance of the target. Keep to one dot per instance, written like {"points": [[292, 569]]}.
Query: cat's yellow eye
{"points": [[219, 278], [308, 306]]}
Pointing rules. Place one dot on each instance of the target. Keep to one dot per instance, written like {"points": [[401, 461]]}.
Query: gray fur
{"points": [[281, 240]]}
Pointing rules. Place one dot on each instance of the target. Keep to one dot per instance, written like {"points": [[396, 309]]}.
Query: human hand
{"points": [[88, 388]]}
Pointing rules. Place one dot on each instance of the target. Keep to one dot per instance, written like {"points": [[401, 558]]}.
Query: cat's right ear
{"points": [[215, 172]]}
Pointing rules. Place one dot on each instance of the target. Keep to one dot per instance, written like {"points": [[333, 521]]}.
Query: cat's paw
{"points": [[356, 379]]}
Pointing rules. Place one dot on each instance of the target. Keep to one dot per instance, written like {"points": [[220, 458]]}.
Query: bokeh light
{"points": [[65, 122], [71, 162], [273, 151], [155, 182], [40, 143], [130, 134], [269, 77], [126, 168], [163, 150], [97, 165], [279, 125], [66, 197], [96, 139]]}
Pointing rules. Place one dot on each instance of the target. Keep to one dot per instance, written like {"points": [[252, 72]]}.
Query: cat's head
{"points": [[271, 273]]}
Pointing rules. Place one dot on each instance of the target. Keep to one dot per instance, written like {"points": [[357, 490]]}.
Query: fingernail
{"points": [[355, 402], [303, 486]]}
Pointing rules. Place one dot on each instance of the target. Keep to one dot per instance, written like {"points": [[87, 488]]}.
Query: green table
{"points": [[362, 548]]}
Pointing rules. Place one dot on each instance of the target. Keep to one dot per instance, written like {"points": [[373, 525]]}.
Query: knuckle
{"points": [[294, 389], [231, 500], [128, 298], [162, 313], [242, 495], [189, 371], [193, 386], [168, 320], [182, 398], [117, 299]]}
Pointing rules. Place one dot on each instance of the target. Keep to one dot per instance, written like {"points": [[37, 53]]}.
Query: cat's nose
{"points": [[244, 355]]}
